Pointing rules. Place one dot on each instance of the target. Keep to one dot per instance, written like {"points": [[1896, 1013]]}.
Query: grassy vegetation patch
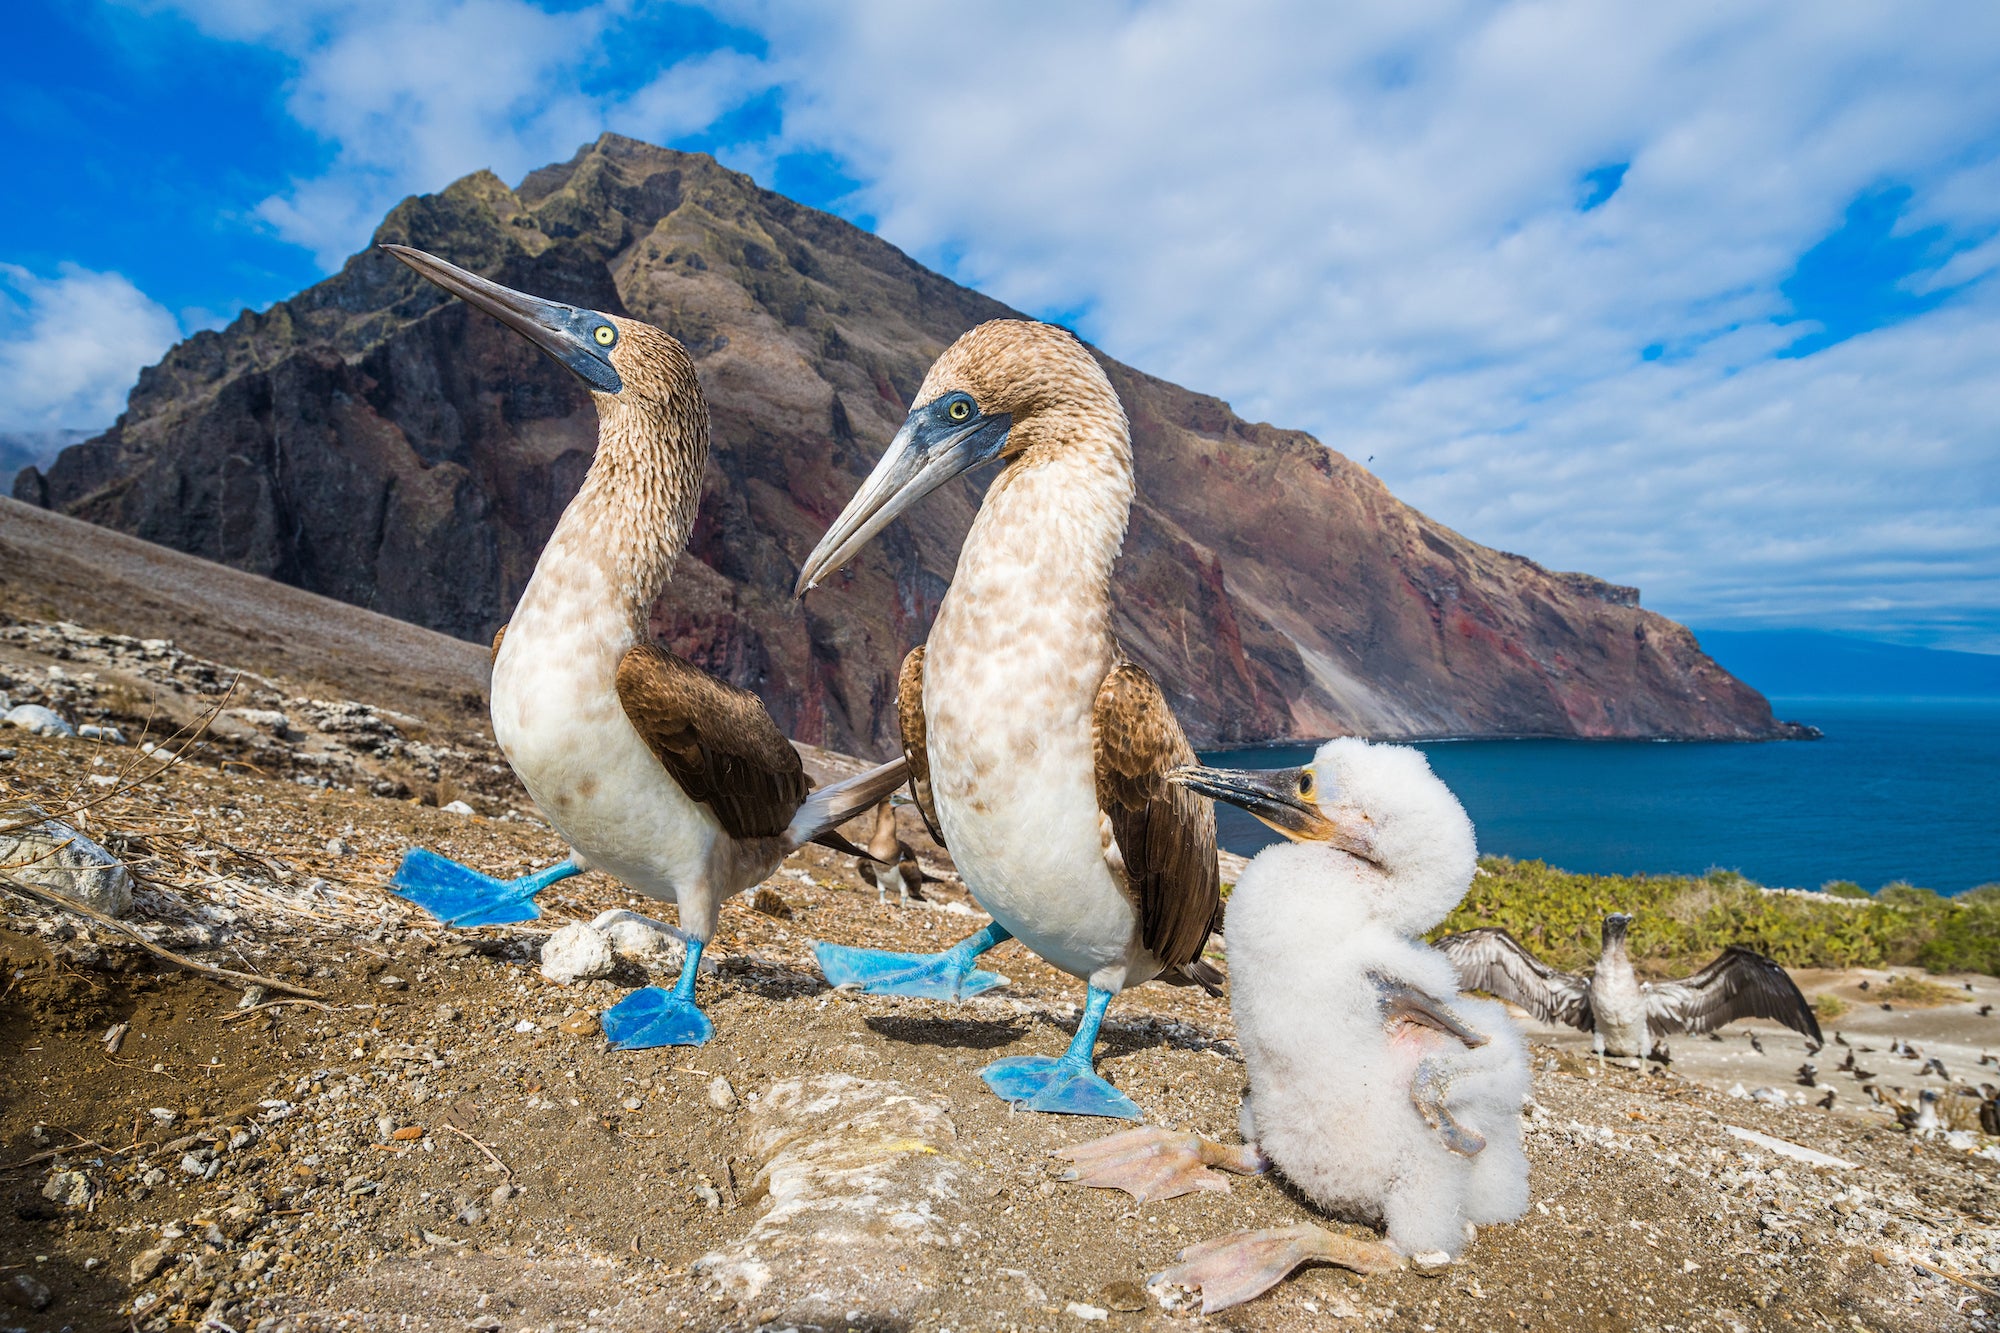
{"points": [[1680, 922], [1826, 1008], [1916, 993]]}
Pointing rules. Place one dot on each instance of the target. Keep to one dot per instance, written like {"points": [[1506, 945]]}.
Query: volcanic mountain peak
{"points": [[375, 441]]}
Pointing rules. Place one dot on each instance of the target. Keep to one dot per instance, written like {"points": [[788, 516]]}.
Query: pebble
{"points": [[721, 1095], [146, 1265], [577, 952], [37, 721], [53, 856], [458, 808], [71, 1189], [771, 904], [390, 981], [91, 731], [6, 756], [447, 1013], [336, 847], [503, 1193], [25, 1293]]}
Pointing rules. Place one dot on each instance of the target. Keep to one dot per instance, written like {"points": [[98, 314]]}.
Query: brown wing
{"points": [[910, 718], [1491, 960], [717, 741], [498, 635], [1165, 833], [1740, 984]]}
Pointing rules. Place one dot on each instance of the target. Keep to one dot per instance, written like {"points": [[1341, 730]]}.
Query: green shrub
{"points": [[1680, 922]]}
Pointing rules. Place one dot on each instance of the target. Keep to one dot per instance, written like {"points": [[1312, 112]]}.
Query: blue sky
{"points": [[1702, 300]]}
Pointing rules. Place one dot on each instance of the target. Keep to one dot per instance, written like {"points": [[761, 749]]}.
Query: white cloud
{"points": [[72, 345], [415, 93], [1365, 224]]}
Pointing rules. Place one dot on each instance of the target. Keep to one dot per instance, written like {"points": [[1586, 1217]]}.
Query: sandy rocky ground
{"points": [[442, 1141]]}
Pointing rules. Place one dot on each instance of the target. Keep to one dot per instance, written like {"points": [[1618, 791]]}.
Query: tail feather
{"points": [[834, 804]]}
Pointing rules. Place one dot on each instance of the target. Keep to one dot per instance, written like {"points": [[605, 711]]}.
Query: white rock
{"points": [[1087, 1313], [53, 856], [641, 939], [865, 1200], [458, 808], [90, 731], [37, 721], [721, 1093], [577, 952]]}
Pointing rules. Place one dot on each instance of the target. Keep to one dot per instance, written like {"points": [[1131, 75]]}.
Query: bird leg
{"points": [[930, 976], [1233, 1269], [655, 1017], [1153, 1163], [1065, 1086], [460, 896]]}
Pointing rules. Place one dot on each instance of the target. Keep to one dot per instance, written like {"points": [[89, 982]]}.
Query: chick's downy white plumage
{"points": [[1345, 1078]]}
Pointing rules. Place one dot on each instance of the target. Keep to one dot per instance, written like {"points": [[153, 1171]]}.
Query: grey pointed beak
{"points": [[927, 452], [1282, 799], [575, 338]]}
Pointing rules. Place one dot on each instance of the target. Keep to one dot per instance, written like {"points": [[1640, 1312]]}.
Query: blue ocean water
{"points": [[1898, 790]]}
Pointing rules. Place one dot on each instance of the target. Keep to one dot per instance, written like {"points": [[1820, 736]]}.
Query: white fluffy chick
{"points": [[1374, 1086]]}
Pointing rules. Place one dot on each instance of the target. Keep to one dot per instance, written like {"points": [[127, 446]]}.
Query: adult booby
{"points": [[653, 771], [1375, 1088], [1623, 1013], [1038, 754], [890, 863]]}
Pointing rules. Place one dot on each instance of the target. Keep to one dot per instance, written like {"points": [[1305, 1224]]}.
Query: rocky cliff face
{"points": [[373, 440]]}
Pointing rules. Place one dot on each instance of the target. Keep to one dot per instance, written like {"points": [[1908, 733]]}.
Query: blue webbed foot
{"points": [[950, 975], [1060, 1086], [460, 896], [655, 1017]]}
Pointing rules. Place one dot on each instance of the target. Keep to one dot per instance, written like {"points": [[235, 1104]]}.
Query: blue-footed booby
{"points": [[653, 771], [1622, 1013], [1375, 1088], [1038, 754]]}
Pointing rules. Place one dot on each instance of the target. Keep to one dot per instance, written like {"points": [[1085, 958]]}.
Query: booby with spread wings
{"points": [[1623, 1013], [1037, 752], [654, 772]]}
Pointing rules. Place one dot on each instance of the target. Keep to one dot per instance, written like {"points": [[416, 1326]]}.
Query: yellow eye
{"points": [[606, 335], [959, 410], [1306, 784]]}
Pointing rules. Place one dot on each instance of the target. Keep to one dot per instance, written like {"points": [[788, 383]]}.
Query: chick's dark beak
{"points": [[580, 340], [1273, 795], [930, 449]]}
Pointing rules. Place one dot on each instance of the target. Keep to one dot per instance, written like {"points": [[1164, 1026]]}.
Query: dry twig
{"points": [[215, 973], [498, 1165]]}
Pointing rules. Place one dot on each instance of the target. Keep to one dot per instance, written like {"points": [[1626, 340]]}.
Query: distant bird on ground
{"points": [[1921, 1116], [1038, 753], [1986, 1058], [1826, 1103], [1864, 985], [1862, 1075], [1838, 1040], [1989, 1116], [1624, 1013], [1755, 1044], [1985, 1010], [1847, 1063], [1806, 1075], [653, 771], [1935, 1066], [891, 863], [1375, 1088]]}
